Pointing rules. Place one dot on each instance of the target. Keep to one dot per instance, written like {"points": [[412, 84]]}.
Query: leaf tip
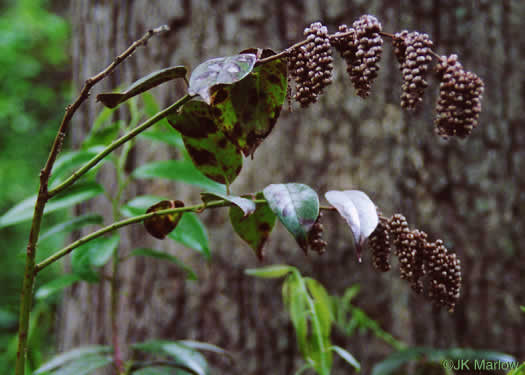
{"points": [[359, 251]]}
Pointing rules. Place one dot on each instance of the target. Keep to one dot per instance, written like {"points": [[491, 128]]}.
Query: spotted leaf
{"points": [[250, 108], [159, 226], [209, 148], [255, 228]]}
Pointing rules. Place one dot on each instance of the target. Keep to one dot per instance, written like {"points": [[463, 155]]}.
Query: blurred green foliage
{"points": [[34, 84], [32, 89]]}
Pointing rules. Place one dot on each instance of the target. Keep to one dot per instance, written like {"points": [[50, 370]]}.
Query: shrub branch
{"points": [[43, 195], [132, 220], [117, 143]]}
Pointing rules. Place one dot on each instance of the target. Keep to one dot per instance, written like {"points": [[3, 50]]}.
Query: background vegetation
{"points": [[34, 87]]}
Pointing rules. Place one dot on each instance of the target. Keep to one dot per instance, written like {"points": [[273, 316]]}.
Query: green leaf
{"points": [[68, 161], [311, 318], [190, 274], [396, 360], [522, 308], [358, 210], [296, 303], [103, 117], [171, 137], [71, 225], [319, 345], [175, 170], [95, 253], [151, 107], [247, 206], [270, 272], [76, 194], [350, 293], [305, 367], [180, 352], [72, 355], [250, 108], [518, 371], [55, 286], [349, 358], [146, 83], [296, 206], [225, 70], [322, 304], [84, 366], [162, 131], [159, 226], [197, 345], [255, 228], [102, 136], [207, 144], [190, 231]]}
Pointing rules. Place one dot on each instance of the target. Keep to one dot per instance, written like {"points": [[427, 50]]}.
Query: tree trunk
{"points": [[469, 193]]}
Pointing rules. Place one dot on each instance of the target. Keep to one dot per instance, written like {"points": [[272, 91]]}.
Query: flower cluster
{"points": [[444, 269], [398, 42], [429, 267], [413, 51], [379, 242], [361, 47], [297, 61], [311, 64], [419, 266], [403, 240], [459, 102]]}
